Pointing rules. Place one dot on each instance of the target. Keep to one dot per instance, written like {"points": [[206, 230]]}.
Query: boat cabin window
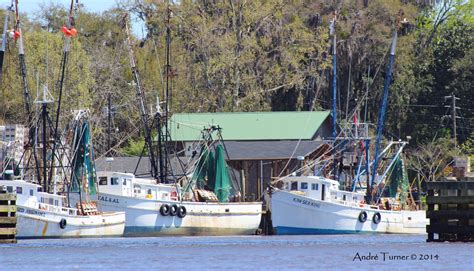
{"points": [[10, 189], [31, 192], [148, 192], [56, 202], [344, 197], [314, 186], [294, 185], [114, 181], [19, 190], [51, 201], [42, 200], [102, 180], [137, 189], [124, 181], [304, 186], [40, 189]]}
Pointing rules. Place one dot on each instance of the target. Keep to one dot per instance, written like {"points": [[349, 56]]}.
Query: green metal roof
{"points": [[249, 125]]}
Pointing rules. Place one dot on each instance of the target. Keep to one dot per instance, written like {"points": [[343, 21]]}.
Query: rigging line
{"points": [[365, 96], [297, 144], [315, 161]]}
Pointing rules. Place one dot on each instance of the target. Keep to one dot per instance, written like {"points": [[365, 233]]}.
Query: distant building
{"points": [[12, 141]]}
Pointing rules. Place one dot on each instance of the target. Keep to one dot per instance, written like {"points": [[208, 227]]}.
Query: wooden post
{"points": [[450, 213], [7, 217]]}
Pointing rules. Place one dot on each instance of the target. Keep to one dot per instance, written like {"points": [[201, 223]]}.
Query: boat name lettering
{"points": [[31, 212], [108, 199], [306, 202]]}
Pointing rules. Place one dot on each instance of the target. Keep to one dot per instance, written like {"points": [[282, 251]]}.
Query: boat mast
{"points": [[162, 139], [383, 109], [18, 36], [332, 31], [141, 102], [4, 40], [69, 31]]}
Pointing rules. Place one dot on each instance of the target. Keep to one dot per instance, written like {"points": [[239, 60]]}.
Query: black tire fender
{"points": [[363, 216], [62, 223], [182, 211], [165, 210], [376, 218], [174, 210]]}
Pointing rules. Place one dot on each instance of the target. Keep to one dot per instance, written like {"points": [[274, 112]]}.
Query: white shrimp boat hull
{"points": [[143, 217], [41, 215], [35, 223], [297, 214]]}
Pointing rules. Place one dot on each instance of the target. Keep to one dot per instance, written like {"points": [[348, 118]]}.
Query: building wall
{"points": [[12, 140]]}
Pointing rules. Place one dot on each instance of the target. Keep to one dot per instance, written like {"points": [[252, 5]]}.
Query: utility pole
{"points": [[453, 115]]}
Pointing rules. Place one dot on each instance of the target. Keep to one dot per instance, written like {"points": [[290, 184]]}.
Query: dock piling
{"points": [[450, 210], [7, 217]]}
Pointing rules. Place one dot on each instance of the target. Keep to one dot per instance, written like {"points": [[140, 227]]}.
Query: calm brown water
{"points": [[319, 252]]}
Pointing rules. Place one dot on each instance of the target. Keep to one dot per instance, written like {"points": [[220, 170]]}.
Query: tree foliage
{"points": [[257, 56]]}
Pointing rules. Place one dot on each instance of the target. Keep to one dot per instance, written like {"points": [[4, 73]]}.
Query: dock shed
{"points": [[260, 145]]}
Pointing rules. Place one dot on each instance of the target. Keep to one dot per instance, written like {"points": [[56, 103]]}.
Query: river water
{"points": [[317, 252]]}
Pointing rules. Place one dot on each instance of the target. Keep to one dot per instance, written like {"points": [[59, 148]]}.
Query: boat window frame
{"points": [[294, 186], [114, 181], [102, 179], [19, 190], [315, 186], [304, 186]]}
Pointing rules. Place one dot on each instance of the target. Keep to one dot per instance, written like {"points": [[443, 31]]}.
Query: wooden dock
{"points": [[450, 210], [7, 217]]}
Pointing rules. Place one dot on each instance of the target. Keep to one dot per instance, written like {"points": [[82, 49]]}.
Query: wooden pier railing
{"points": [[450, 210], [7, 217]]}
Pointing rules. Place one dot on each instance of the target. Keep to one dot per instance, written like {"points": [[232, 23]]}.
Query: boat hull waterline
{"points": [[143, 217], [37, 223]]}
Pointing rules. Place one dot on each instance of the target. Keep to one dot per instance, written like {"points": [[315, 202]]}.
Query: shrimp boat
{"points": [[44, 215], [41, 212], [205, 202], [316, 205], [157, 209], [165, 204]]}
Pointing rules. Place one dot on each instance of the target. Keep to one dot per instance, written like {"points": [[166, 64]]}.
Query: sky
{"points": [[32, 6]]}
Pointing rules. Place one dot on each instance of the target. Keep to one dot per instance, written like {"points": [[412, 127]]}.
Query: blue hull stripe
{"points": [[299, 231]]}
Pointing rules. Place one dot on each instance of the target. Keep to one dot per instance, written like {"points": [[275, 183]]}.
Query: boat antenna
{"points": [[141, 100], [383, 109], [69, 30]]}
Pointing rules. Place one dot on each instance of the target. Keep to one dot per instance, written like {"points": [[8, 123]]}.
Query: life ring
{"points": [[363, 216], [181, 211], [174, 210], [165, 210], [376, 218], [62, 223]]}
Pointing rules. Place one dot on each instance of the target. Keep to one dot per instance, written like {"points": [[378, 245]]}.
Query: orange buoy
{"points": [[16, 35], [73, 31]]}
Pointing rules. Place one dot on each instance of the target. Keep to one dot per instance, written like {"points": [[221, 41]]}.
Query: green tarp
{"points": [[83, 165], [211, 173]]}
